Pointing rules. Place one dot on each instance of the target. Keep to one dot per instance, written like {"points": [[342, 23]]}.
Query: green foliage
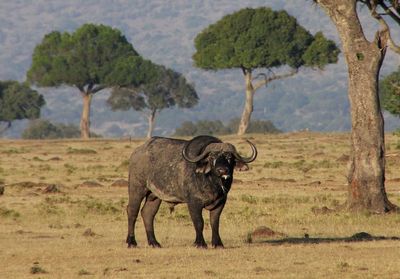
{"points": [[390, 93], [92, 55], [44, 129], [256, 126], [202, 127], [320, 52], [18, 101], [254, 38], [216, 127], [167, 89]]}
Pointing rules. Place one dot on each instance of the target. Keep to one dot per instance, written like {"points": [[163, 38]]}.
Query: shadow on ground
{"points": [[358, 237]]}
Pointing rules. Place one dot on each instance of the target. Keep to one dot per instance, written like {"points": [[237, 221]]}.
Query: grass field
{"points": [[62, 215]]}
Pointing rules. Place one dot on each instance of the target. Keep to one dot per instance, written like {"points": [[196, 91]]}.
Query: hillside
{"points": [[163, 31]]}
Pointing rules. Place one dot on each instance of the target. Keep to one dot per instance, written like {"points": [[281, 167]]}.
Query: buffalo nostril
{"points": [[222, 171]]}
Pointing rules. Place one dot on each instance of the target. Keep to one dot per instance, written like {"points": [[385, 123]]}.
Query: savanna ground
{"points": [[63, 216]]}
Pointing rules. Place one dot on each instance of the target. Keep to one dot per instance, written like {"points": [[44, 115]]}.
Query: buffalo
{"points": [[198, 172]]}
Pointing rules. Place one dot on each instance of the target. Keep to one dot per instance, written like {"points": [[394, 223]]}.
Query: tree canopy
{"points": [[261, 38], [18, 101], [87, 57], [390, 92], [92, 58], [169, 89]]}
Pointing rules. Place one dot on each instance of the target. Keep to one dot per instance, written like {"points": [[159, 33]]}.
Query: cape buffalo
{"points": [[198, 172]]}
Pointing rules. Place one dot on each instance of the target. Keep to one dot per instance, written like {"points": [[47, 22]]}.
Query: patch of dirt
{"points": [[52, 189], [397, 179], [274, 179], [343, 159], [120, 183], [263, 232], [315, 183], [55, 159], [25, 184], [89, 232], [48, 188], [90, 183], [237, 181], [322, 210]]}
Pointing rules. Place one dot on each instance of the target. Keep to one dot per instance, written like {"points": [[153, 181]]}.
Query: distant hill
{"points": [[163, 31]]}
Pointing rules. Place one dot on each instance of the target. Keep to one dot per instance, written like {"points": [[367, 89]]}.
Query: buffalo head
{"points": [[213, 156]]}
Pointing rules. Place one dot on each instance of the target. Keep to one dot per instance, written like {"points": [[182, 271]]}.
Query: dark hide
{"points": [[158, 172]]}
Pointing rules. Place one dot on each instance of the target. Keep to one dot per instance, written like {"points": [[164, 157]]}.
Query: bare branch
{"points": [[385, 31], [97, 89], [267, 79]]}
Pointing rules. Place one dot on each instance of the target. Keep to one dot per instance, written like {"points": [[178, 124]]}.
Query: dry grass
{"points": [[61, 218]]}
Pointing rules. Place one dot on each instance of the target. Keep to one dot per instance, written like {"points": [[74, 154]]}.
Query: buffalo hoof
{"points": [[200, 245], [218, 246], [131, 242], [155, 244]]}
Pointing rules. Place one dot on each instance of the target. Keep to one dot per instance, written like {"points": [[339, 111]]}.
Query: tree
{"points": [[44, 129], [260, 38], [18, 101], [91, 59], [169, 89], [390, 93], [366, 178]]}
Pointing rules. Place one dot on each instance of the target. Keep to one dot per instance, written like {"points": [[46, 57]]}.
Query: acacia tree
{"points": [[260, 38], [390, 92], [168, 89], [91, 59], [364, 59], [18, 101]]}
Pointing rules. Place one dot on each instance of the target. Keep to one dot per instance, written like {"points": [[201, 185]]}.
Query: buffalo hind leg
{"points": [[215, 214], [148, 213], [133, 210], [195, 211]]}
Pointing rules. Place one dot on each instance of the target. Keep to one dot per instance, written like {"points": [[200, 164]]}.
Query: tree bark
{"points": [[85, 118], [151, 118], [248, 106], [366, 178]]}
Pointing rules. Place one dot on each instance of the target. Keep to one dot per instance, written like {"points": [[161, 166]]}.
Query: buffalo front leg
{"points": [[195, 211], [133, 210], [215, 214], [148, 213]]}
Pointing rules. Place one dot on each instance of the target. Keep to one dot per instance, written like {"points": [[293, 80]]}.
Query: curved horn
{"points": [[248, 159], [195, 159], [196, 145]]}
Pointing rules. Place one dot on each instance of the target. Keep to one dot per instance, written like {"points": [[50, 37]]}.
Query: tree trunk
{"points": [[85, 118], [248, 106], [366, 178], [151, 118]]}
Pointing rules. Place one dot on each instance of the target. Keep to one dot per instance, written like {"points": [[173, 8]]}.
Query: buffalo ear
{"points": [[240, 166], [203, 167]]}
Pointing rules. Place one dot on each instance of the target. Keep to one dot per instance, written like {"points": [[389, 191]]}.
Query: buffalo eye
{"points": [[228, 157]]}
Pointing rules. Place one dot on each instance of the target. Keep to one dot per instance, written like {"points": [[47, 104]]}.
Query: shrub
{"points": [[216, 127], [44, 129]]}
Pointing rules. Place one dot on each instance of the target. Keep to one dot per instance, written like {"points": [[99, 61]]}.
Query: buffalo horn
{"points": [[247, 159], [195, 159]]}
